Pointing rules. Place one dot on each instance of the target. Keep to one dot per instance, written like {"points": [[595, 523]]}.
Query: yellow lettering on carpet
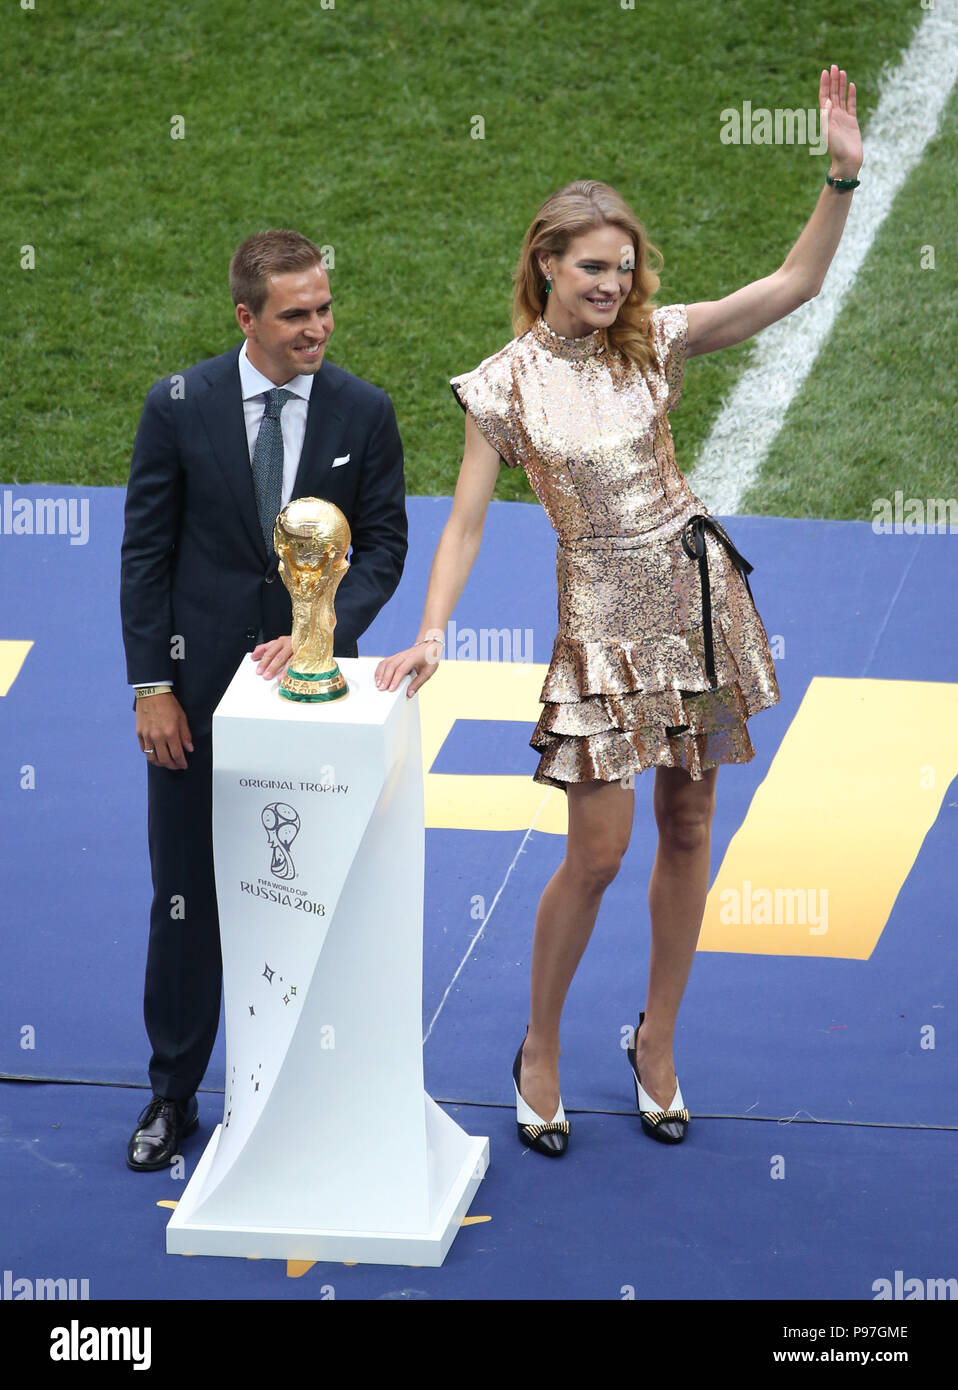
{"points": [[506, 690], [12, 657], [835, 827]]}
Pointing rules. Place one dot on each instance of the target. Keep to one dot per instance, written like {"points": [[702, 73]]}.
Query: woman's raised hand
{"points": [[422, 659], [836, 97]]}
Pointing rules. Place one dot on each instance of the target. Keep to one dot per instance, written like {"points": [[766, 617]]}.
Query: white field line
{"points": [[482, 924], [905, 119]]}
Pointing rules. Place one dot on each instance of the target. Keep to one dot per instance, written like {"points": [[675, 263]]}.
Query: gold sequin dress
{"points": [[660, 655]]}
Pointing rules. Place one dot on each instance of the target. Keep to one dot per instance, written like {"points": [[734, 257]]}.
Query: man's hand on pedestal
{"points": [[273, 657]]}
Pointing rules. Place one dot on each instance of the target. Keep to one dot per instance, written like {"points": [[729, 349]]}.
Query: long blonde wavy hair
{"points": [[566, 214]]}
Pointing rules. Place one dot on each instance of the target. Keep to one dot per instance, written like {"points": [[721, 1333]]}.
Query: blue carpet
{"points": [[619, 1216], [758, 1035]]}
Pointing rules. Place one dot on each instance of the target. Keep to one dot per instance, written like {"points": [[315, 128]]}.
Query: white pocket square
{"points": [[338, 463]]}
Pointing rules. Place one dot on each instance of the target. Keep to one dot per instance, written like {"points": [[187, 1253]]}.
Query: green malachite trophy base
{"points": [[313, 690]]}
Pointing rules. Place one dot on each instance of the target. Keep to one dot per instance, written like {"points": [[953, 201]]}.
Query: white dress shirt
{"points": [[292, 420]]}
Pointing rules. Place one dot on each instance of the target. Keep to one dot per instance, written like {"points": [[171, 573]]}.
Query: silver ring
{"points": [[148, 751]]}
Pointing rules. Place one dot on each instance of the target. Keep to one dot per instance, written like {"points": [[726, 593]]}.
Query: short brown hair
{"points": [[265, 254]]}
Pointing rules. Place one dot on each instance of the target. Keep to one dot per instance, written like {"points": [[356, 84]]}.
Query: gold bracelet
{"points": [[145, 690]]}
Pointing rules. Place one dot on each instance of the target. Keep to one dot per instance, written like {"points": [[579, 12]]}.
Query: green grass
{"points": [[877, 412], [352, 125]]}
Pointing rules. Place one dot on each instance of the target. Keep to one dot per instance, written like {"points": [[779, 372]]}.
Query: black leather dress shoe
{"points": [[159, 1130]]}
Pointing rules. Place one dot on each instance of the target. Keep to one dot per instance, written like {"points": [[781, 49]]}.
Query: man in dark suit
{"points": [[220, 449]]}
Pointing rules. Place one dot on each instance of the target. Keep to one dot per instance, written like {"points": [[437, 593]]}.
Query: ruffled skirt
{"points": [[628, 686]]}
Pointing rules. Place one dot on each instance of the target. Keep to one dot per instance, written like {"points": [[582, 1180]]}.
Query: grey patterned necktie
{"points": [[268, 463]]}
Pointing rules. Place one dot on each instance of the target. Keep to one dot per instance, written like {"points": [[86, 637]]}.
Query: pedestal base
{"points": [[185, 1236]]}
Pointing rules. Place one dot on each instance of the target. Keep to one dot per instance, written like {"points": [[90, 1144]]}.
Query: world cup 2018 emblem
{"points": [[282, 827]]}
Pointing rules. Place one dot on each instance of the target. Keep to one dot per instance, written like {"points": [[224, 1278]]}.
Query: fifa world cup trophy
{"points": [[311, 538]]}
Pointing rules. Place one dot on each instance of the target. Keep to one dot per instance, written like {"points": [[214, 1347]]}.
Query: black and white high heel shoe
{"points": [[668, 1126], [550, 1138]]}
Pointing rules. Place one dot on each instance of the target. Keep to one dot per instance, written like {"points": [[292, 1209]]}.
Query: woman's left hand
{"points": [[836, 100]]}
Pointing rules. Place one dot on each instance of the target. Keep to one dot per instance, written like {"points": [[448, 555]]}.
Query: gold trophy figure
{"points": [[311, 538]]}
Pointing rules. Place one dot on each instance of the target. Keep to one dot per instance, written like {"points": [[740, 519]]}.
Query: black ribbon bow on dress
{"points": [[693, 543]]}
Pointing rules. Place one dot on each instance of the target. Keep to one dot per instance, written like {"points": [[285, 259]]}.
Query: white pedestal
{"points": [[329, 1147]]}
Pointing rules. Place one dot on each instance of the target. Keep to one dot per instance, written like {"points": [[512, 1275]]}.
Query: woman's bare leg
{"points": [[678, 888], [600, 823]]}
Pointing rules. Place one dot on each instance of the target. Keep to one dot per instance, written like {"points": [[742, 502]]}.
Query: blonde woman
{"points": [[660, 656]]}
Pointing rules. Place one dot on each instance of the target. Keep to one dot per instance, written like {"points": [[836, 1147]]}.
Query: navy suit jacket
{"points": [[196, 586]]}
